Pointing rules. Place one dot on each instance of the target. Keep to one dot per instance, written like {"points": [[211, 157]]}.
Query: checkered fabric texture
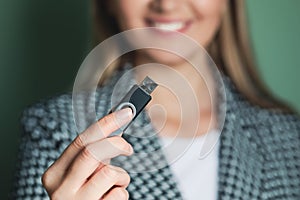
{"points": [[259, 156]]}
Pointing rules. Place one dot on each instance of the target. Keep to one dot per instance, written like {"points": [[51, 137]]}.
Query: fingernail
{"points": [[124, 114]]}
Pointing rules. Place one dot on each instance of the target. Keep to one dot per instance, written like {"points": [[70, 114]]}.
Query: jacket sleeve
{"points": [[32, 159], [45, 134]]}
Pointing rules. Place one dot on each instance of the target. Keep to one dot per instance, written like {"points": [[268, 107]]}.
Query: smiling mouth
{"points": [[179, 26]]}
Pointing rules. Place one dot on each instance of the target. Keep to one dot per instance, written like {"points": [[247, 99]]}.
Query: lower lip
{"points": [[170, 32]]}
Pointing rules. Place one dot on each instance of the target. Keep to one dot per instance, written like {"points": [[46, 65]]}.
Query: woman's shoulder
{"points": [[253, 116], [48, 117], [278, 129], [48, 106], [266, 128], [271, 122], [272, 131]]}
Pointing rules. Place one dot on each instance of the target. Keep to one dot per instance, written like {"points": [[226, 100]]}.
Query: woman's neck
{"points": [[182, 104]]}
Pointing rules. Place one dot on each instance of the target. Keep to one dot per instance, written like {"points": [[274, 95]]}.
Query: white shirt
{"points": [[195, 173]]}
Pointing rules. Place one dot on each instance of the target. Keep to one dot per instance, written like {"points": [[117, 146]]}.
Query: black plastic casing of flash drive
{"points": [[136, 99]]}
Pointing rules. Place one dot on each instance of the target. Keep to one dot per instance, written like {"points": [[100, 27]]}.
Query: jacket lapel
{"points": [[240, 163]]}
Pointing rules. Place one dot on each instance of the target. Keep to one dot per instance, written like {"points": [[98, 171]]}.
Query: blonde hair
{"points": [[230, 50]]}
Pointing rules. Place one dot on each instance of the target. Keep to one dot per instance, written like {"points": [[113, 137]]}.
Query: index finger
{"points": [[97, 131]]}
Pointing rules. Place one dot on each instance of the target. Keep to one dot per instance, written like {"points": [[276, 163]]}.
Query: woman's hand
{"points": [[83, 170]]}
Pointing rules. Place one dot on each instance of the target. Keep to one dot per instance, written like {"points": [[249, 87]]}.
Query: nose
{"points": [[164, 5]]}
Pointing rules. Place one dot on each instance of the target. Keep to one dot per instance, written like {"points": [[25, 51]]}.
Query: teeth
{"points": [[169, 26]]}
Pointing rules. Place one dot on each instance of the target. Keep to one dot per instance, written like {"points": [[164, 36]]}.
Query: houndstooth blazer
{"points": [[259, 152]]}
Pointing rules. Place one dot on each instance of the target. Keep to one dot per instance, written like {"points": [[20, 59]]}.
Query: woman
{"points": [[258, 155]]}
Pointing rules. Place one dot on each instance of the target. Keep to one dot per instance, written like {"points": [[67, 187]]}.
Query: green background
{"points": [[42, 44]]}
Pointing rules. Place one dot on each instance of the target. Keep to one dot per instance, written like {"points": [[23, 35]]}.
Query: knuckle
{"points": [[119, 143], [47, 179], [87, 154], [109, 121], [121, 174], [120, 193], [61, 194], [55, 196], [105, 120], [109, 173], [58, 195], [79, 142], [95, 184], [124, 175], [123, 145], [127, 178]]}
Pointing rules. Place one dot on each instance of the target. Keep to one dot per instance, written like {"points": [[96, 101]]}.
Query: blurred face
{"points": [[198, 19]]}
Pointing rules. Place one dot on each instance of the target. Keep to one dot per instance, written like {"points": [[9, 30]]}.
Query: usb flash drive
{"points": [[136, 99]]}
